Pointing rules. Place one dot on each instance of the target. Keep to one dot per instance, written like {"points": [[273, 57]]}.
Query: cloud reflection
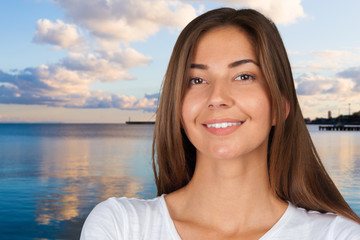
{"points": [[340, 154], [80, 172]]}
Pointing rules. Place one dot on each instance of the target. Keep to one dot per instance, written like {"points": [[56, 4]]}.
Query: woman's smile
{"points": [[222, 126]]}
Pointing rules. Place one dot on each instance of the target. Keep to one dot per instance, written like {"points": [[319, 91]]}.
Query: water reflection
{"points": [[340, 153], [51, 176], [83, 170], [58, 173]]}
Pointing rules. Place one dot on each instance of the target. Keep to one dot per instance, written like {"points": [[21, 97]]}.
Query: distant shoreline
{"points": [[331, 124], [139, 122], [70, 123], [148, 122]]}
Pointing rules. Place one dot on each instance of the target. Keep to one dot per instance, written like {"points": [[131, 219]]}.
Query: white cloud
{"points": [[55, 85], [58, 34], [96, 68], [128, 57], [325, 60], [332, 54], [318, 94], [104, 54], [109, 25], [311, 84], [128, 20], [352, 74], [100, 99], [280, 11], [319, 105], [315, 84]]}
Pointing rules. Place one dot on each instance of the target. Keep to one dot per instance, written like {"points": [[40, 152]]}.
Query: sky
{"points": [[103, 61]]}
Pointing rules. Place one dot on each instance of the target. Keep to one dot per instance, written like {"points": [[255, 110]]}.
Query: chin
{"points": [[223, 153]]}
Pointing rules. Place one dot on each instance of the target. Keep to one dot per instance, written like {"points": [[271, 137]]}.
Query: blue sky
{"points": [[104, 60]]}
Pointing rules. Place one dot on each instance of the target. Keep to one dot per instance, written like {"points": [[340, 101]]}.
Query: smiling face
{"points": [[226, 111]]}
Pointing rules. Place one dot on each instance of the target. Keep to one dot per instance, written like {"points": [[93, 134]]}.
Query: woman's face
{"points": [[226, 110]]}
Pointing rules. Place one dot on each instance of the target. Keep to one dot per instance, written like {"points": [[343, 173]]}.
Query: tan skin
{"points": [[229, 196]]}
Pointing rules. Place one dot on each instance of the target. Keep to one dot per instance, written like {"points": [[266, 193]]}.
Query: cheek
{"points": [[191, 108], [186, 110], [256, 104], [265, 112]]}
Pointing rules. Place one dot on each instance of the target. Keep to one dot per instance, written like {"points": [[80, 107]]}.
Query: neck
{"points": [[244, 180], [236, 189]]}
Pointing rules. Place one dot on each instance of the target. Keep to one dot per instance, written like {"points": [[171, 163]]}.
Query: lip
{"points": [[223, 130], [221, 120]]}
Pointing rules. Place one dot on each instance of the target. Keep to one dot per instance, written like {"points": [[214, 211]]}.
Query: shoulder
{"points": [[344, 228], [133, 207], [120, 218], [316, 225]]}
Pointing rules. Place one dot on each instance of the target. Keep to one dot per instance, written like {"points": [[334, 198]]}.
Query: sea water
{"points": [[52, 175]]}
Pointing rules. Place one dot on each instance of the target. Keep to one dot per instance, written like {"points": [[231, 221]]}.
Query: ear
{"points": [[287, 109]]}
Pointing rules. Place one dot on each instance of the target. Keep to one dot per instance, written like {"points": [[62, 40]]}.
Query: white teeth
{"points": [[223, 125]]}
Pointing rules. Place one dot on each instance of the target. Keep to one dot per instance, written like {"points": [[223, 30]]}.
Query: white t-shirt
{"points": [[130, 218]]}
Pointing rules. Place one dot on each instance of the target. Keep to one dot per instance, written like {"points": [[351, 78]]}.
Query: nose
{"points": [[220, 96]]}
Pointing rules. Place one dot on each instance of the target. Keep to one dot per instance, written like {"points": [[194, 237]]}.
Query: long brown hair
{"points": [[296, 173]]}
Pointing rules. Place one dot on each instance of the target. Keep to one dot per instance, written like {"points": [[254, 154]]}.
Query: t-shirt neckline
{"points": [[170, 223], [273, 230], [280, 223]]}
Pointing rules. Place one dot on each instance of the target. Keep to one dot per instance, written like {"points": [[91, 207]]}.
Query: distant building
{"points": [[353, 119]]}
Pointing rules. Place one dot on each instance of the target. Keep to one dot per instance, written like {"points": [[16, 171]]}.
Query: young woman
{"points": [[232, 155]]}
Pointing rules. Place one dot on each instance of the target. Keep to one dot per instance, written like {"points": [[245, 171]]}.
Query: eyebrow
{"points": [[231, 65], [198, 66], [241, 62]]}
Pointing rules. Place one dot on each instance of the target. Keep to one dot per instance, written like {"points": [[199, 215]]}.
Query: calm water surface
{"points": [[52, 175], [340, 153]]}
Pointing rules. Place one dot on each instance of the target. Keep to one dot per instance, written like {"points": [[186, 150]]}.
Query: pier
{"points": [[140, 122], [339, 128]]}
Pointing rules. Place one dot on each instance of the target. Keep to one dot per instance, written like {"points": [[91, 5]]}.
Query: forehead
{"points": [[228, 42]]}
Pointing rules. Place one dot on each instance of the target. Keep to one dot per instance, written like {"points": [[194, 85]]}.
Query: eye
{"points": [[245, 77], [197, 81]]}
